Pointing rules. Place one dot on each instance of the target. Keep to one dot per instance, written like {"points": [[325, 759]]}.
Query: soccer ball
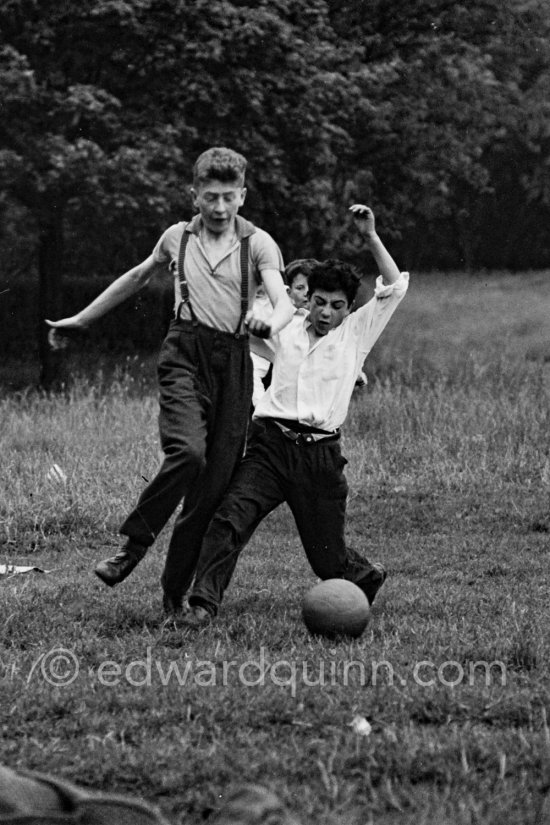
{"points": [[335, 607]]}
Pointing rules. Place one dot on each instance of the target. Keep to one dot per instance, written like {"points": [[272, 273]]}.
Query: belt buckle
{"points": [[304, 438]]}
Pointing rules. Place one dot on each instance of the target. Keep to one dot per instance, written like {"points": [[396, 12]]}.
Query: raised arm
{"points": [[363, 217], [283, 310], [124, 286]]}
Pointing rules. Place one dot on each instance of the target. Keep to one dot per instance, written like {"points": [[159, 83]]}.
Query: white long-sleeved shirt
{"points": [[313, 384]]}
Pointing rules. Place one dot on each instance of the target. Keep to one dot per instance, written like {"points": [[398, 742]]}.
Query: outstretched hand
{"points": [[363, 217], [62, 331]]}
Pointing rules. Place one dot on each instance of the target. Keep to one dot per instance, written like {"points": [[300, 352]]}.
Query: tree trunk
{"points": [[53, 373]]}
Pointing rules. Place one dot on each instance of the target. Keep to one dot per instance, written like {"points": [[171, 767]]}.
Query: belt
{"points": [[305, 438], [187, 323]]}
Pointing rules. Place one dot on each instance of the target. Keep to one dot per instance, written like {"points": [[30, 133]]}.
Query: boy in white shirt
{"points": [[294, 454]]}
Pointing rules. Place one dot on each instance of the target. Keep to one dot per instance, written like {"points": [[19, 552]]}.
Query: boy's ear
{"points": [[243, 194], [194, 197]]}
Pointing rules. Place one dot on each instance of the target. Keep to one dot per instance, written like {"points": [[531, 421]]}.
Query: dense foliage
{"points": [[434, 112]]}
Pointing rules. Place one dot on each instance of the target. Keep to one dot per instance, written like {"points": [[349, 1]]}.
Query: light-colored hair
{"points": [[220, 163]]}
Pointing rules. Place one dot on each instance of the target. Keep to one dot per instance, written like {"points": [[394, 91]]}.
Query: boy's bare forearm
{"points": [[283, 312], [117, 292], [283, 309], [387, 267], [363, 217]]}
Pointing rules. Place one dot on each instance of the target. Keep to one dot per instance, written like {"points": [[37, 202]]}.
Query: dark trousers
{"points": [[205, 379], [310, 478]]}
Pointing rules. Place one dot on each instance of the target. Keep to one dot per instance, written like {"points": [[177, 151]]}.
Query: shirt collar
{"points": [[243, 227]]}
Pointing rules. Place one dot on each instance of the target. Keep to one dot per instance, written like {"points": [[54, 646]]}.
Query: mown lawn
{"points": [[449, 477]]}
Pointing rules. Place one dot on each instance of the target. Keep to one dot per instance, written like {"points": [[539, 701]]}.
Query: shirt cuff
{"points": [[398, 288]]}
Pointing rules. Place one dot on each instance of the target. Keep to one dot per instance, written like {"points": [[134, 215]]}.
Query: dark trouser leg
{"points": [[257, 488], [182, 424], [317, 497], [227, 372]]}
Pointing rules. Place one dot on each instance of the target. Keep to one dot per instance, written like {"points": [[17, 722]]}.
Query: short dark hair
{"points": [[220, 163], [333, 275], [300, 266]]}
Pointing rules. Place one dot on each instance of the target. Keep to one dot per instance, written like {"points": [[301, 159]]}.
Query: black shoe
{"points": [[373, 581], [114, 570], [175, 610], [197, 617], [174, 606]]}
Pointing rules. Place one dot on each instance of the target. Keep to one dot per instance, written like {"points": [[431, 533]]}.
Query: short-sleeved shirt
{"points": [[215, 294]]}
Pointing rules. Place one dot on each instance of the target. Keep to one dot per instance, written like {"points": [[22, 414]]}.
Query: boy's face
{"points": [[297, 291], [327, 310], [218, 204]]}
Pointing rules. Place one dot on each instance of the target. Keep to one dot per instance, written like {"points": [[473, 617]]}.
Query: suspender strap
{"points": [[184, 287], [244, 282]]}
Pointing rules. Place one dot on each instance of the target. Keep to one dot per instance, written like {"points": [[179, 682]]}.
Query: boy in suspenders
{"points": [[205, 374]]}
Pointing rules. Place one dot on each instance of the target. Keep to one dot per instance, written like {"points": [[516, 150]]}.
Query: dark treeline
{"points": [[434, 112]]}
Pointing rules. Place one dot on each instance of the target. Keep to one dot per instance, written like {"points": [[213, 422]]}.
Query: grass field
{"points": [[449, 476]]}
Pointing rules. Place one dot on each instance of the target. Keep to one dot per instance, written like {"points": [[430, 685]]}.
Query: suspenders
{"points": [[184, 287], [244, 281]]}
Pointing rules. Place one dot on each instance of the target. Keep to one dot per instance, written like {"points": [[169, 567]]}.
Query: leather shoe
{"points": [[197, 617], [373, 581], [114, 570], [175, 608], [175, 612]]}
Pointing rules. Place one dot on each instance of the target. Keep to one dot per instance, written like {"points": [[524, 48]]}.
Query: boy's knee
{"points": [[230, 524], [184, 453], [224, 527], [196, 456]]}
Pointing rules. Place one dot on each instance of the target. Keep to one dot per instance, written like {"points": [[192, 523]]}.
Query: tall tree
{"points": [[433, 111], [67, 144]]}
